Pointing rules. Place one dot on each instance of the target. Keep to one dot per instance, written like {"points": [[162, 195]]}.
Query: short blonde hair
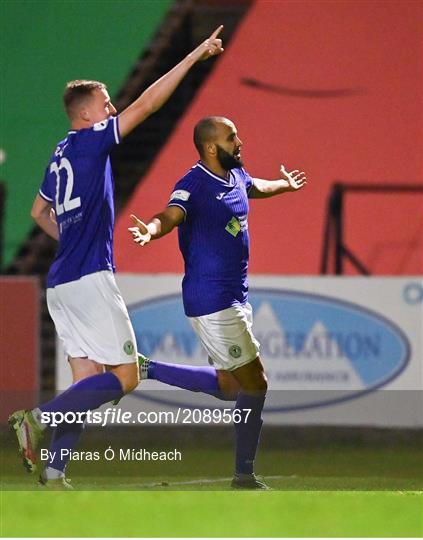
{"points": [[76, 92]]}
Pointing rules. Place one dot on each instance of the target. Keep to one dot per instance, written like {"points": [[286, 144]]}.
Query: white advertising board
{"points": [[337, 350]]}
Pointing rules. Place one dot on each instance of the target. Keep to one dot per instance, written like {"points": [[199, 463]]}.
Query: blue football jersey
{"points": [[78, 182], [213, 238]]}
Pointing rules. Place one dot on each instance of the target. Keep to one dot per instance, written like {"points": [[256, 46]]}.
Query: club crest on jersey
{"points": [[180, 194], [233, 226], [129, 348], [100, 125], [235, 351]]}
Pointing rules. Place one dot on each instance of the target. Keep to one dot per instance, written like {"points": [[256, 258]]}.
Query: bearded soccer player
{"points": [[83, 300], [209, 205]]}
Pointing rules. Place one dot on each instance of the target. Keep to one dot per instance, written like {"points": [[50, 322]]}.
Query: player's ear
{"points": [[84, 113], [211, 149]]}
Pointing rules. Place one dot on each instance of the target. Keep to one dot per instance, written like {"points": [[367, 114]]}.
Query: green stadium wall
{"points": [[44, 44]]}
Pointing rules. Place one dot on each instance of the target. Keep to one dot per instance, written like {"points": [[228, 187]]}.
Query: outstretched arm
{"points": [[159, 92], [158, 226], [40, 213], [289, 181]]}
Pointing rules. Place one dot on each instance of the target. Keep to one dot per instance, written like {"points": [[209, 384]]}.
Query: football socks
{"points": [[247, 431], [85, 395], [193, 378]]}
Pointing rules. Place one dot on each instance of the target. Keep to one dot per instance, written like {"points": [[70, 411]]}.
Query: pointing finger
{"points": [[216, 32]]}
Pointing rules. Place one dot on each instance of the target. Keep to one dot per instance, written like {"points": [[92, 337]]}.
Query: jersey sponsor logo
{"points": [[100, 125], [180, 195], [233, 226], [69, 221], [220, 196]]}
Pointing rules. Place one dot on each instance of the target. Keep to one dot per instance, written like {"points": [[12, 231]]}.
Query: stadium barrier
{"points": [[338, 351], [19, 344]]}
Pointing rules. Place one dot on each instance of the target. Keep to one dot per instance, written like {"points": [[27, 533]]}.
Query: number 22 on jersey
{"points": [[68, 202]]}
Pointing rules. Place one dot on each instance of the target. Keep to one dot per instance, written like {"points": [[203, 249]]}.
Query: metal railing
{"points": [[334, 250]]}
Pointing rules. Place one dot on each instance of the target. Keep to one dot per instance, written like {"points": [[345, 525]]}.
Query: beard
{"points": [[228, 161]]}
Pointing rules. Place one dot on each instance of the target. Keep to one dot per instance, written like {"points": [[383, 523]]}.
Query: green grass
{"points": [[342, 468], [341, 490], [218, 514], [165, 483]]}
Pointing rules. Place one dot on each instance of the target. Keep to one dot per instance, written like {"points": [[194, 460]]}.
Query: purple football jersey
{"points": [[78, 182], [213, 238]]}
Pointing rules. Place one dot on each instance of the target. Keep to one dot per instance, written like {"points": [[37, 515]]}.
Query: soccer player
{"points": [[209, 205], [84, 302]]}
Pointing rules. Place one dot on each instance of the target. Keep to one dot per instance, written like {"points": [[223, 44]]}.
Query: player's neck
{"points": [[78, 124], [216, 168]]}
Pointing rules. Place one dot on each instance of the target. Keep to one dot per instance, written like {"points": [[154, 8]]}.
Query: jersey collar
{"points": [[221, 179]]}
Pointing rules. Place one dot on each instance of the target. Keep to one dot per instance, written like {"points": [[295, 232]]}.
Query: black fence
{"points": [[334, 250]]}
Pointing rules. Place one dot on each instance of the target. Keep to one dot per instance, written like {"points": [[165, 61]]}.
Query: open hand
{"points": [[210, 47], [139, 232], [295, 178]]}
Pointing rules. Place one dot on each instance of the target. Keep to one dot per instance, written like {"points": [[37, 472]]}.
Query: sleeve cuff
{"points": [[116, 131], [44, 196], [180, 206]]}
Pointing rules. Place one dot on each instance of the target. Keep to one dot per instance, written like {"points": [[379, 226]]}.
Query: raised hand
{"points": [[295, 178], [210, 47], [139, 232]]}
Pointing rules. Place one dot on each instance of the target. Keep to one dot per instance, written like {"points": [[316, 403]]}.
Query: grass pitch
{"points": [[211, 514], [345, 490]]}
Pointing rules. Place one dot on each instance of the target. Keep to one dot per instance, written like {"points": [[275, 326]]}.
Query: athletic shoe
{"points": [[55, 484], [29, 435], [143, 364], [248, 481]]}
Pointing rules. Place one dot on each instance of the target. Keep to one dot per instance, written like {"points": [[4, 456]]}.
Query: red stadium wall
{"points": [[336, 91], [19, 344]]}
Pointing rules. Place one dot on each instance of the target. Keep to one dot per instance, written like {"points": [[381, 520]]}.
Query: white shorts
{"points": [[227, 336], [92, 321]]}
